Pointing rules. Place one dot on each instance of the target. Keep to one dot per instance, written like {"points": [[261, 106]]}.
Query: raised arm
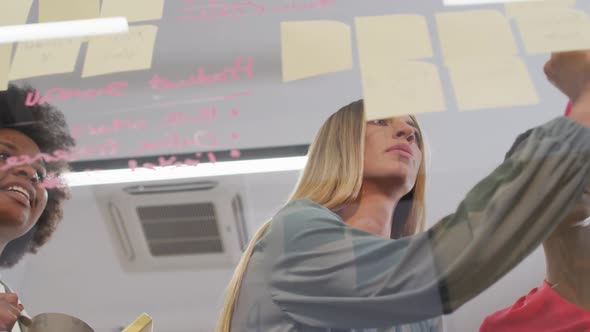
{"points": [[330, 275], [326, 274]]}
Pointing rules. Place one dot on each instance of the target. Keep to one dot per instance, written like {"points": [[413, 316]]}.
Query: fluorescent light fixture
{"points": [[477, 2], [185, 172], [63, 29]]}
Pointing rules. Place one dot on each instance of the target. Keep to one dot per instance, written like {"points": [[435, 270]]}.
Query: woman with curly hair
{"points": [[29, 209]]}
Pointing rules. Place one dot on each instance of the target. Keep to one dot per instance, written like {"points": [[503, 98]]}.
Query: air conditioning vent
{"points": [[170, 188], [176, 224], [181, 229]]}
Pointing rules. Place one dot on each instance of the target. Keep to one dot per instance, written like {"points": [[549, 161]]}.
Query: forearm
{"points": [[509, 213]]}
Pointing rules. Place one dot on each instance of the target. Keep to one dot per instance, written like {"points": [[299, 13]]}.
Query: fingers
{"points": [[8, 316], [10, 309], [11, 298]]}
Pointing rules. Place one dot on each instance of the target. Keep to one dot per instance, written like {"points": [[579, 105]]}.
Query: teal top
{"points": [[311, 272]]}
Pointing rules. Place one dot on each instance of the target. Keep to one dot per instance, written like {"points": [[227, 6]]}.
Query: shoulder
{"points": [[303, 220], [304, 210]]}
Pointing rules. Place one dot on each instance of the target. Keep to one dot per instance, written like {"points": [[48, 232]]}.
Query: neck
{"points": [[567, 253], [373, 210]]}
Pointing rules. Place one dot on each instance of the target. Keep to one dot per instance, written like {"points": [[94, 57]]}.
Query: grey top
{"points": [[311, 272]]}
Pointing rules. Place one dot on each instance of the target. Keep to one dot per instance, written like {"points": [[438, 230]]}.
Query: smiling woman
{"points": [[29, 211]]}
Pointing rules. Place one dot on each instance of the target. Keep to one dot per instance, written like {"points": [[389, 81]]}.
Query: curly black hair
{"points": [[47, 127]]}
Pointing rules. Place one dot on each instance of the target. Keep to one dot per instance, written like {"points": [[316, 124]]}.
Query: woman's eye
{"points": [[379, 122], [4, 155]]}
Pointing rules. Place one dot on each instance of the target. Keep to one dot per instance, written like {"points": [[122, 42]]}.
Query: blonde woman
{"points": [[327, 261]]}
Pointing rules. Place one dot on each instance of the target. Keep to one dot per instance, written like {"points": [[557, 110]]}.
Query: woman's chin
{"points": [[14, 219]]}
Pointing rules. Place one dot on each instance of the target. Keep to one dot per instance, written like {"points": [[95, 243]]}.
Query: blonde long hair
{"points": [[332, 177]]}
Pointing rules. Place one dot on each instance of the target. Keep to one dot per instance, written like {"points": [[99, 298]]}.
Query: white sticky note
{"points": [[14, 12], [475, 33], [312, 48], [67, 10], [400, 37], [45, 57], [122, 52], [133, 10], [555, 30], [492, 82], [401, 88], [5, 56], [524, 8]]}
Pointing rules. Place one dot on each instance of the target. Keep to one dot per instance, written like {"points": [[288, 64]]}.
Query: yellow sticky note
{"points": [[524, 8], [492, 82], [401, 88], [5, 55], [143, 323], [67, 10], [400, 37], [14, 12], [133, 10], [45, 57], [313, 48], [475, 33], [122, 52], [555, 30]]}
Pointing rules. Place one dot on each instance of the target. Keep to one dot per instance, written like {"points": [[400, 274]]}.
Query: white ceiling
{"points": [[78, 273]]}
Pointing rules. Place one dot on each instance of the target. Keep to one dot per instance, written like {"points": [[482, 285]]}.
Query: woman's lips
{"points": [[18, 197], [401, 152], [402, 149]]}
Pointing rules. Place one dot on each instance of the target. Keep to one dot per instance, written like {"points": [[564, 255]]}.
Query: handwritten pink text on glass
{"points": [[201, 139], [172, 161], [203, 115], [214, 9], [112, 89], [115, 125], [242, 65]]}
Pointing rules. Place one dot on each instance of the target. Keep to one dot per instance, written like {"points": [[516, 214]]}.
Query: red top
{"points": [[542, 310], [568, 110]]}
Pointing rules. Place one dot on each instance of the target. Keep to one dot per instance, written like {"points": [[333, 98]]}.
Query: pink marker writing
{"points": [[202, 115], [243, 66], [201, 138], [112, 89], [215, 9]]}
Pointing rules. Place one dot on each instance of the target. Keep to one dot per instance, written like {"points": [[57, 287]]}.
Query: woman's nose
{"points": [[404, 130], [26, 171]]}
